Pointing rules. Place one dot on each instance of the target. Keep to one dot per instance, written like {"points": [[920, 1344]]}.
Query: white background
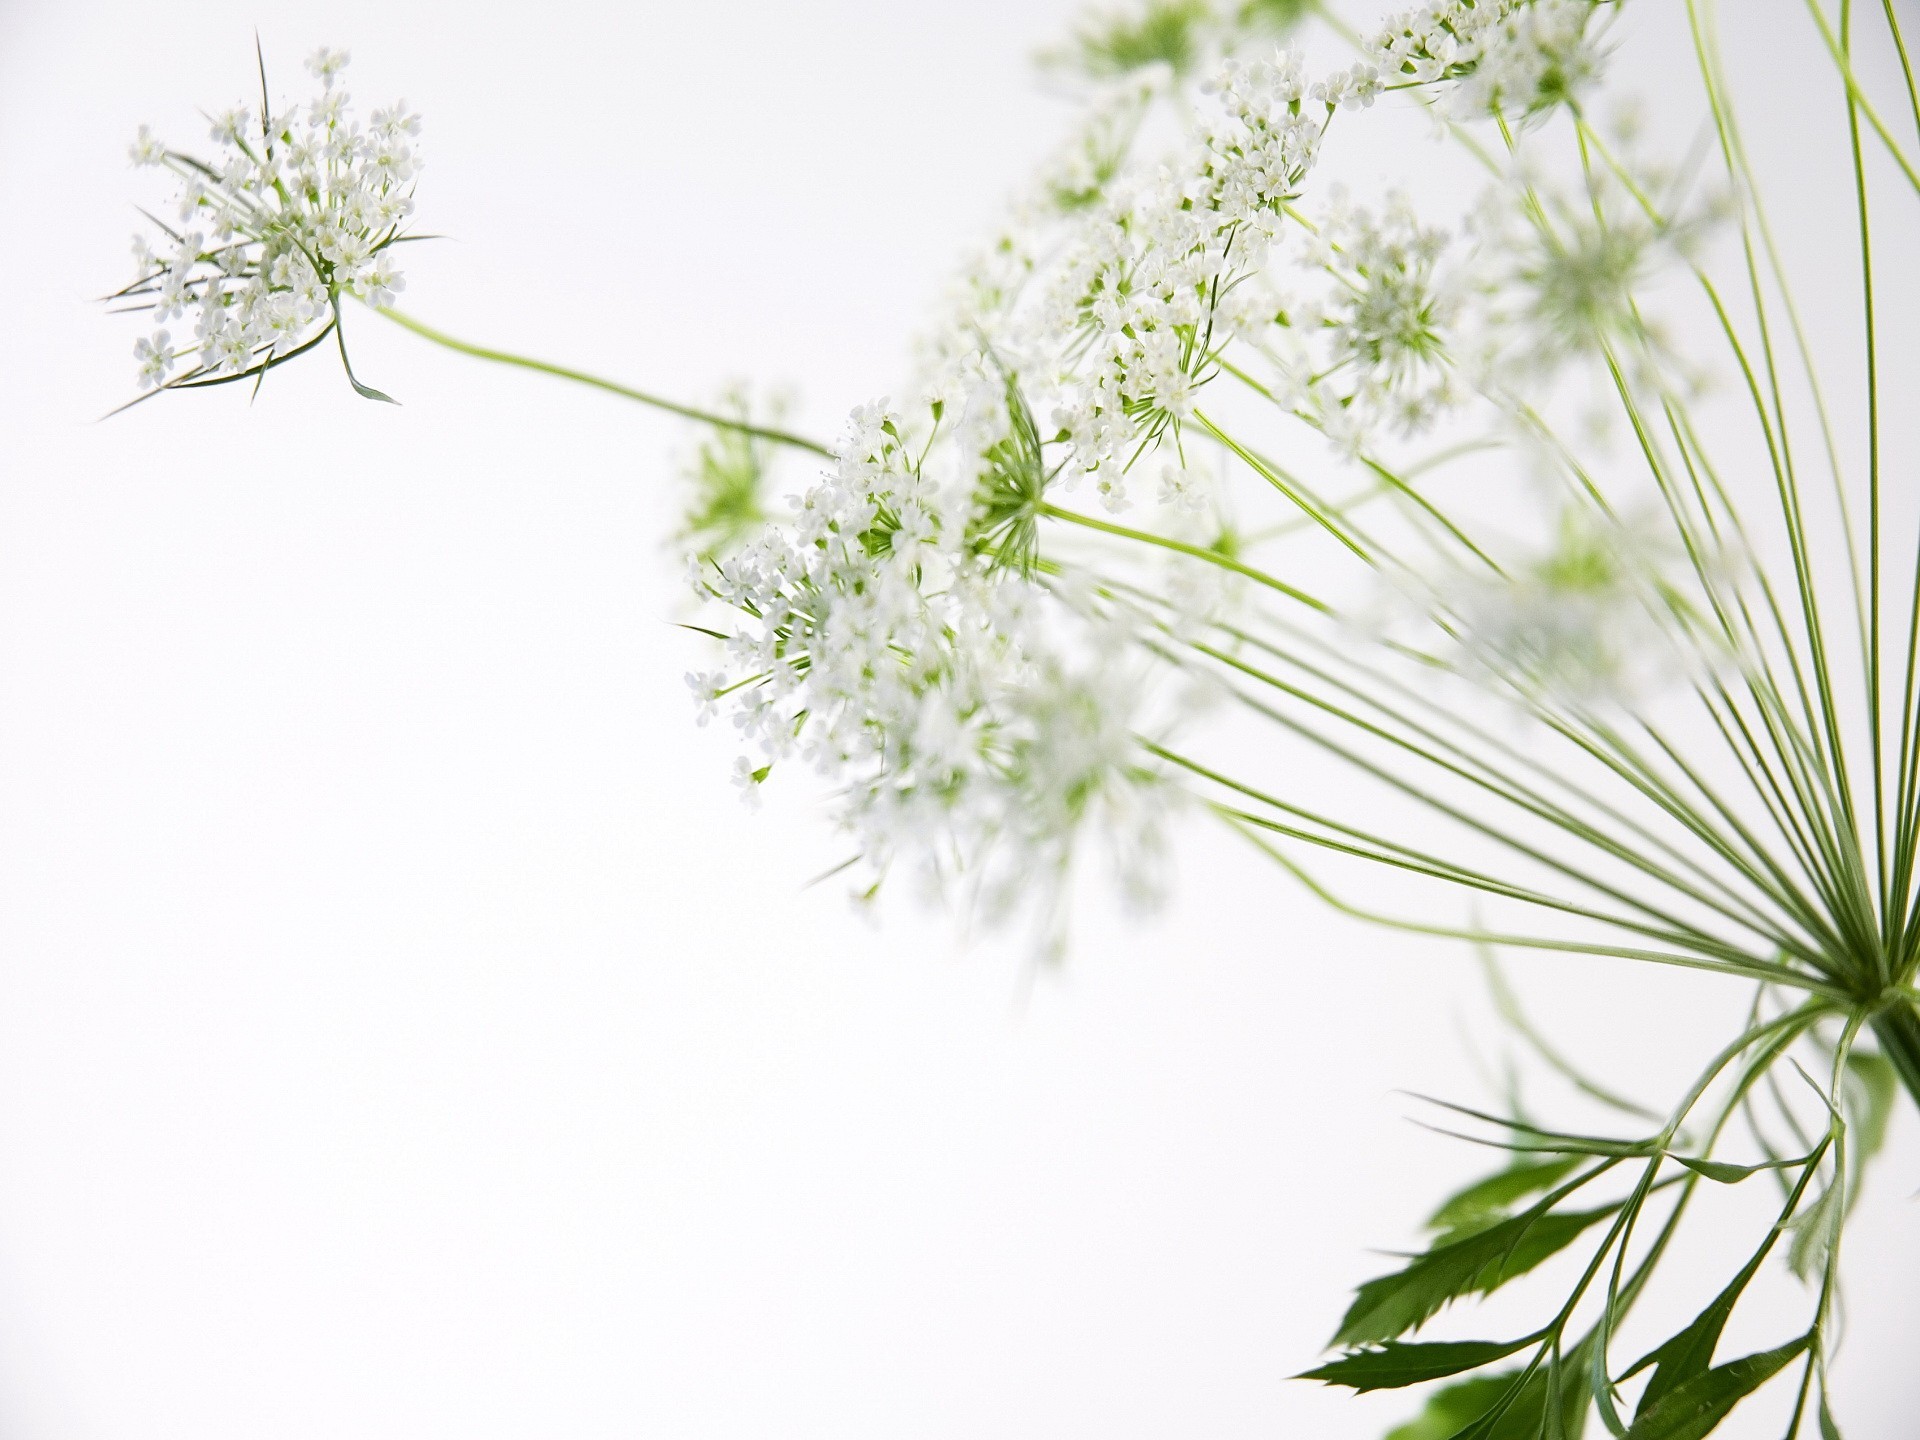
{"points": [[403, 1032]]}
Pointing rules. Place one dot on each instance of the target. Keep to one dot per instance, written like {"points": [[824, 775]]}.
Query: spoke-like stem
{"points": [[581, 377], [1181, 547]]}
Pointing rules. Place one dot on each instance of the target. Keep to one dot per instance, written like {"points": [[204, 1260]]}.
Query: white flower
{"points": [[1556, 273], [174, 293], [155, 357], [1370, 347], [749, 777], [1183, 488], [325, 64], [1354, 88], [230, 126], [229, 351], [380, 282], [146, 149], [394, 121], [707, 689]]}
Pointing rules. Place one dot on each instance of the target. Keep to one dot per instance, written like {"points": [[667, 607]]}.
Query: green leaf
{"points": [[368, 392], [1485, 1201], [1721, 1170], [1391, 1305], [1828, 1430], [1690, 1352], [1466, 1410], [1697, 1407], [1537, 1140], [1396, 1363], [1453, 1409], [1814, 1230], [1874, 1086]]}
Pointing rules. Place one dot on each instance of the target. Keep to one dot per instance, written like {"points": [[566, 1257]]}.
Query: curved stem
{"points": [[581, 377]]}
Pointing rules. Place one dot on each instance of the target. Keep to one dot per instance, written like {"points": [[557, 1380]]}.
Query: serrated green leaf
{"points": [[1689, 1352], [1396, 1363], [1389, 1306], [1489, 1199], [1697, 1407]]}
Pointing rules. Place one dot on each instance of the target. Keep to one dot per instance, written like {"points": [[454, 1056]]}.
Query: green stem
{"points": [[672, 407], [1181, 547]]}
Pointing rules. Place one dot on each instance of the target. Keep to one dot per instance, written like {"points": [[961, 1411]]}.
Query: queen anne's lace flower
{"points": [[975, 721], [1127, 324], [1559, 274], [1515, 56], [903, 634], [1370, 346], [292, 212], [1600, 618]]}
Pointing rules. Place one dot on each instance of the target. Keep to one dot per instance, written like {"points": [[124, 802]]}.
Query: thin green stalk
{"points": [[1181, 547], [1906, 66], [1786, 484], [1451, 759], [581, 377], [1399, 485], [1671, 929], [1321, 515], [1857, 96], [1246, 823], [1874, 732], [1732, 337]]}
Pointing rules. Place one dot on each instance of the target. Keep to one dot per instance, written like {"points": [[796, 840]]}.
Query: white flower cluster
{"points": [[1600, 618], [1514, 56], [1371, 346], [1561, 272], [1078, 174], [976, 722], [294, 211], [1143, 295]]}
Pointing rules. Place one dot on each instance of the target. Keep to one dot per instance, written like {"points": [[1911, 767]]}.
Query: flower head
{"points": [[1168, 35], [949, 692], [1515, 57], [295, 210]]}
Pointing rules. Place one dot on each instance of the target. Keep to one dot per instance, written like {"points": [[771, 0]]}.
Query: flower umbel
{"points": [[293, 211], [892, 641]]}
